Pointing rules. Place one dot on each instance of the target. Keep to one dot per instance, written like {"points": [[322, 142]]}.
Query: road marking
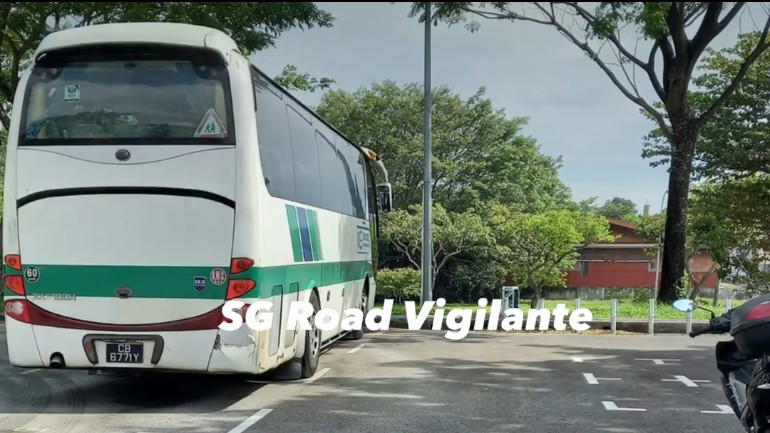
{"points": [[690, 383], [356, 349], [576, 359], [610, 405], [34, 370], [593, 380], [656, 361], [250, 421], [723, 410], [316, 376]]}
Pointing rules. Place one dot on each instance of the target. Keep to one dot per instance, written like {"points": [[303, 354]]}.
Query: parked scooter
{"points": [[744, 361]]}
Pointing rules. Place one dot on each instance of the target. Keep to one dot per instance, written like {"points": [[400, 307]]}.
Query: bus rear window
{"points": [[142, 98]]}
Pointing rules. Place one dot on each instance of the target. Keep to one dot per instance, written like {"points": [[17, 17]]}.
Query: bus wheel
{"points": [[359, 333], [312, 342]]}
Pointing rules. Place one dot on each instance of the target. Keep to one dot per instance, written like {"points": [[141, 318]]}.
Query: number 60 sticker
{"points": [[31, 274]]}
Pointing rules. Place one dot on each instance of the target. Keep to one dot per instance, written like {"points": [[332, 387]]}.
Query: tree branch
{"points": [[758, 50]]}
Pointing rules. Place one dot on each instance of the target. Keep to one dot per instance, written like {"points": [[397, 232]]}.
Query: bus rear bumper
{"points": [[22, 346], [182, 350]]}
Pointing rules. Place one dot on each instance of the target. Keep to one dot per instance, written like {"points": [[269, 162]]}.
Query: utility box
{"points": [[511, 297]]}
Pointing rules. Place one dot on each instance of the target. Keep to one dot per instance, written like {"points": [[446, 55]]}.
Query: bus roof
{"points": [[138, 33]]}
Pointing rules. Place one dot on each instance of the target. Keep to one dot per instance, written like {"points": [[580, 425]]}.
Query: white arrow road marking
{"points": [[723, 410], [656, 361], [355, 349], [593, 380], [250, 421], [610, 405], [690, 383]]}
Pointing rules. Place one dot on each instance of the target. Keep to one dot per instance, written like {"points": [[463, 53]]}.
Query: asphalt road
{"points": [[401, 381]]}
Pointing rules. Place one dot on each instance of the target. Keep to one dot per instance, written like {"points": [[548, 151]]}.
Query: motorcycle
{"points": [[743, 361]]}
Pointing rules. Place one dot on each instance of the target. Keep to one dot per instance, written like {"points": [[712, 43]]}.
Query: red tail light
{"points": [[761, 311], [238, 288], [15, 283], [13, 261], [240, 264], [17, 309]]}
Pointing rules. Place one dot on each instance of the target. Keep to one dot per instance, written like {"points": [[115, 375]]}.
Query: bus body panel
{"points": [[127, 240]]}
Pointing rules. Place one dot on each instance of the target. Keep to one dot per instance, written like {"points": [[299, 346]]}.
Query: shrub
{"points": [[402, 284]]}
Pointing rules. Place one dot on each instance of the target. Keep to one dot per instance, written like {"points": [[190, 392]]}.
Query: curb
{"points": [[635, 326]]}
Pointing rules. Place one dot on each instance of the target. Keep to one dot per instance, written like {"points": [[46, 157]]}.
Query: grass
{"points": [[627, 308]]}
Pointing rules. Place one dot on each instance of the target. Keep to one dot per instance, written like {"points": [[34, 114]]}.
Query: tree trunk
{"points": [[715, 300], [683, 144], [537, 293]]}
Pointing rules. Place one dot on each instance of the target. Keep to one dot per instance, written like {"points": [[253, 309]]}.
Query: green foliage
{"points": [[479, 154], [292, 79], [253, 26], [539, 248], [453, 234], [619, 208], [402, 284]]}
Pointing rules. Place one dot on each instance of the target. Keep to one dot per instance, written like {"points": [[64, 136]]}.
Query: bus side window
{"points": [[307, 180], [274, 141]]}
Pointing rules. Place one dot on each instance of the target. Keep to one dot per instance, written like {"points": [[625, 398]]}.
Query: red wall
{"points": [[607, 275], [623, 275]]}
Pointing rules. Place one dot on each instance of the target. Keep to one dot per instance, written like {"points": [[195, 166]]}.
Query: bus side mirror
{"points": [[385, 197]]}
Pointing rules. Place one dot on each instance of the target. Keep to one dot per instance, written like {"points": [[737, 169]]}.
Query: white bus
{"points": [[152, 174]]}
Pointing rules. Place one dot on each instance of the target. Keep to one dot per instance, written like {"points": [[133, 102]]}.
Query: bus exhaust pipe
{"points": [[57, 361]]}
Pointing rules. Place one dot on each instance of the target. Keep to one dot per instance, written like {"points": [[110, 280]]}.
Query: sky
{"points": [[528, 70]]}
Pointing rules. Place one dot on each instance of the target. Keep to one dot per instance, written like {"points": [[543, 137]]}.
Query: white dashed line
{"points": [[576, 359], [34, 370], [593, 380], [611, 406], [659, 361], [723, 410], [356, 349], [316, 376], [690, 383], [250, 421]]}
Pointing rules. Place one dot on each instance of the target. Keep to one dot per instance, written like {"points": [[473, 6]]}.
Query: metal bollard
{"points": [[541, 304], [651, 317], [688, 324], [729, 303], [614, 316], [577, 302]]}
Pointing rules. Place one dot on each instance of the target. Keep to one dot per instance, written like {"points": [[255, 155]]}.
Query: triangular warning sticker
{"points": [[211, 126]]}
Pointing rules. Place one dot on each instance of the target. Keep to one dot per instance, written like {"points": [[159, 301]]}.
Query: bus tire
{"points": [[309, 361], [359, 333]]}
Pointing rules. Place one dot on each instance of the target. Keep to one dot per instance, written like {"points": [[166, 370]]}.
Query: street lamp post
{"points": [[427, 202]]}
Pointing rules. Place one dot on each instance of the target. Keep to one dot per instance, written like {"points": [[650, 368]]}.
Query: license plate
{"points": [[125, 353]]}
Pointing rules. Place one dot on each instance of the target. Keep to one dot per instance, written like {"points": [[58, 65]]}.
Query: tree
{"points": [[292, 79], [618, 208], [453, 234], [540, 248], [479, 154], [252, 25], [675, 35]]}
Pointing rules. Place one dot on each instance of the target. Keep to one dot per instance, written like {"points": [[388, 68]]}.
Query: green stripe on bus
{"points": [[315, 239], [177, 281], [7, 270], [296, 244]]}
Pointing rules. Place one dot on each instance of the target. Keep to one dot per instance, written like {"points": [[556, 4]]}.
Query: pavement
{"points": [[402, 381]]}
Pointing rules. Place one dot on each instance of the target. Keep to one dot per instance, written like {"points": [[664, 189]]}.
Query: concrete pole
{"points": [[651, 317], [688, 325], [614, 316], [577, 302], [427, 201]]}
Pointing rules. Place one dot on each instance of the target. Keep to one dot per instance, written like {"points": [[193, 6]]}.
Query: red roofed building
{"points": [[630, 262]]}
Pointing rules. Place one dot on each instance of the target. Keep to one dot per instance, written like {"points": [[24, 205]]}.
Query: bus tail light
{"points": [[13, 261], [238, 288], [240, 264], [17, 309], [15, 283]]}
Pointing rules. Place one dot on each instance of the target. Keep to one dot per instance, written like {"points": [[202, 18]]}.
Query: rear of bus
{"points": [[119, 202]]}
